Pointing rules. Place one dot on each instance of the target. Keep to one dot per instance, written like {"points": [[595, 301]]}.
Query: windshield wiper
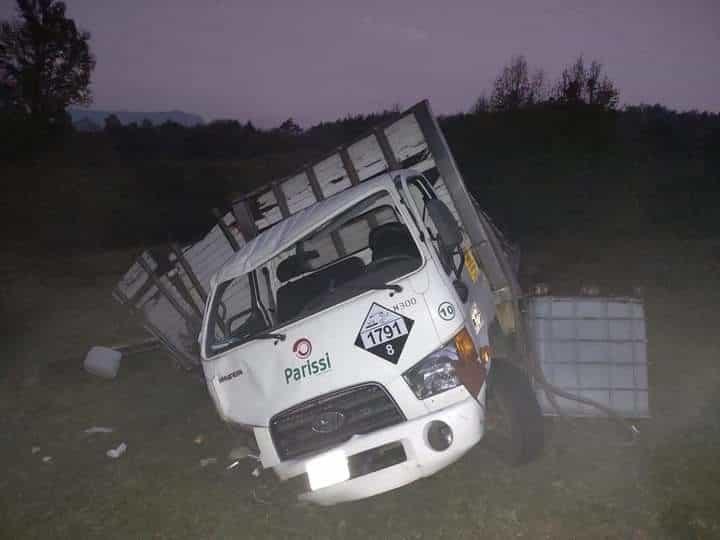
{"points": [[268, 335], [234, 340], [379, 287], [386, 286]]}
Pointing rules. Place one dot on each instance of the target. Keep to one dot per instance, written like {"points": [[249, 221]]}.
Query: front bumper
{"points": [[466, 419]]}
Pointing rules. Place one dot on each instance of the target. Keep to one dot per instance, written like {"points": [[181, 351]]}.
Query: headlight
{"points": [[434, 374]]}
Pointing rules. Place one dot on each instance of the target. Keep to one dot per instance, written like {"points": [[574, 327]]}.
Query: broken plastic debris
{"points": [[103, 362], [199, 439], [115, 453], [207, 461], [256, 472], [47, 459], [35, 449], [240, 453], [233, 465], [98, 429]]}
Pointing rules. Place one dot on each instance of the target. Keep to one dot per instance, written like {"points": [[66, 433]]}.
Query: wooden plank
{"points": [[354, 176], [226, 230], [175, 248], [315, 186], [349, 166], [386, 149], [181, 357], [269, 208], [244, 219], [166, 292], [281, 200]]}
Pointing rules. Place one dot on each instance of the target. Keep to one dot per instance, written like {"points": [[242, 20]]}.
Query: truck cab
{"points": [[352, 339]]}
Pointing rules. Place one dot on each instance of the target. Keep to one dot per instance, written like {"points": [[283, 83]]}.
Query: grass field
{"points": [[588, 484]]}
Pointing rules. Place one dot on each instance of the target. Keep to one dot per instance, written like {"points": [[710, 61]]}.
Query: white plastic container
{"points": [[103, 362], [593, 347]]}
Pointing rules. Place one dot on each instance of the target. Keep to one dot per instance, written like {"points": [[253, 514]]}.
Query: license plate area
{"points": [[327, 470], [360, 464]]}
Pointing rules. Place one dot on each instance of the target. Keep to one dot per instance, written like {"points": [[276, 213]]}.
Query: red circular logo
{"points": [[302, 348]]}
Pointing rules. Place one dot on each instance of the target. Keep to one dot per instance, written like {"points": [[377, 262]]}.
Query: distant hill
{"points": [[87, 119]]}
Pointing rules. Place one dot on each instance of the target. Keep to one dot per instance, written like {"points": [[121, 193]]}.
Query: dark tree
{"points": [[289, 127], [112, 123], [516, 88], [481, 105], [586, 85], [45, 59]]}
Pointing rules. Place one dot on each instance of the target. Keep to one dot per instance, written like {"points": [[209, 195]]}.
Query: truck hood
{"points": [[373, 337]]}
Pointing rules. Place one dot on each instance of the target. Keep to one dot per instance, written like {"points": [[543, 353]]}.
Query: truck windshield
{"points": [[366, 247]]}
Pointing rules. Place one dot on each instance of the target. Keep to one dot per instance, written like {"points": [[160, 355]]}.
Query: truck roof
{"points": [[285, 233]]}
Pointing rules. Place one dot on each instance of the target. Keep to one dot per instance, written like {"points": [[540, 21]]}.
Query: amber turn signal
{"points": [[465, 346]]}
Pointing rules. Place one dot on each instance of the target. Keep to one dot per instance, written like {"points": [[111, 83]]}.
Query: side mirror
{"points": [[447, 226], [462, 290]]}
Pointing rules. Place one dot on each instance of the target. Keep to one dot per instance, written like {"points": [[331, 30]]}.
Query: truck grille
{"points": [[333, 418]]}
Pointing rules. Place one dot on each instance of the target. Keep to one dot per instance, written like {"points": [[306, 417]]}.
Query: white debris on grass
{"points": [[240, 453], [103, 362], [207, 461], [47, 459], [115, 453], [35, 449], [98, 429]]}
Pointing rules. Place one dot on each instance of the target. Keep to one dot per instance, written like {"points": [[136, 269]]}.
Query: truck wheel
{"points": [[514, 421]]}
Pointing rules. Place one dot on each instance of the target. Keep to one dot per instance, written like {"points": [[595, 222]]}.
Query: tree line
{"points": [[579, 84], [540, 154]]}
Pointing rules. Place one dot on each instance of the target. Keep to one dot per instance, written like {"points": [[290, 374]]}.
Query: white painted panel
{"points": [[424, 165], [367, 157], [298, 192], [331, 175], [132, 281], [405, 138], [163, 316], [269, 209]]}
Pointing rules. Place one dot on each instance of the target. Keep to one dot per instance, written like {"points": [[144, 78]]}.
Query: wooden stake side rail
{"points": [[413, 139]]}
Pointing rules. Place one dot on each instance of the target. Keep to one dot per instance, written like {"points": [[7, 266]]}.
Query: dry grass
{"points": [[586, 486]]}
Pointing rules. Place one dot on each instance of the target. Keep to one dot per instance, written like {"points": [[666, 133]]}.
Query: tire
{"points": [[518, 437]]}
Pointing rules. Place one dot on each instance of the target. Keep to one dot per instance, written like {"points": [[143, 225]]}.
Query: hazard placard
{"points": [[384, 333]]}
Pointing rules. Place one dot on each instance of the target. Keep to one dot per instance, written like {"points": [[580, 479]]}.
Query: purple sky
{"points": [[320, 59]]}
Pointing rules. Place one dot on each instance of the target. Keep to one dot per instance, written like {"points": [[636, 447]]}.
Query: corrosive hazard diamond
{"points": [[384, 333]]}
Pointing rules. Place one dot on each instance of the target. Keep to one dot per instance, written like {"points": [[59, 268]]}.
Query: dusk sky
{"points": [[316, 60]]}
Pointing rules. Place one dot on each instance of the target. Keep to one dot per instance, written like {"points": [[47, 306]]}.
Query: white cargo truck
{"points": [[363, 370], [355, 317]]}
